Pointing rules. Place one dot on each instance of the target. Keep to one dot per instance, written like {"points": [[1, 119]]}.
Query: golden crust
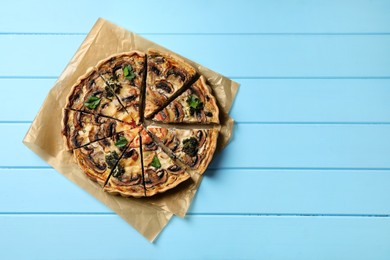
{"points": [[172, 182], [174, 59], [82, 161], [209, 149], [77, 87], [119, 55], [125, 191], [65, 129], [211, 104]]}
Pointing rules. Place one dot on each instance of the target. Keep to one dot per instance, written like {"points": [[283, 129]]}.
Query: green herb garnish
{"points": [[121, 142], [195, 104], [156, 162], [190, 146], [92, 102], [128, 72]]}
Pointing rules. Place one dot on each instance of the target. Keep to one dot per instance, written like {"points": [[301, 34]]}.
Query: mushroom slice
{"points": [[194, 147], [97, 159], [166, 75], [80, 129], [196, 105]]}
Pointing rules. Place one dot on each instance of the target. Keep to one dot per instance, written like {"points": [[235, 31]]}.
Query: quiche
{"points": [[97, 159], [124, 74], [126, 178], [107, 120], [166, 75], [195, 105], [80, 128], [161, 173], [194, 147], [92, 95]]}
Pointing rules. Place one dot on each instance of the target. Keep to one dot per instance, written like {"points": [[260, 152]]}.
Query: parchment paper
{"points": [[148, 215]]}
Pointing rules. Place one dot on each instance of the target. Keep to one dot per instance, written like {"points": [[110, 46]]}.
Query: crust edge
{"points": [[210, 151], [213, 101], [119, 55], [183, 177], [125, 194], [86, 170], [188, 67], [64, 128], [88, 73]]}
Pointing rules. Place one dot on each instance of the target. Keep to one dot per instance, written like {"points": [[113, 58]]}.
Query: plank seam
{"points": [[212, 33], [204, 214]]}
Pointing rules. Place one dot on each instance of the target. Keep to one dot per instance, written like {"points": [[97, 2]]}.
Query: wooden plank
{"points": [[277, 100], [259, 56], [200, 17], [319, 100], [283, 192], [24, 96], [265, 146], [235, 237]]}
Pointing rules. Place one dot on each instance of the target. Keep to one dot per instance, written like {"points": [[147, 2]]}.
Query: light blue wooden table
{"points": [[307, 174]]}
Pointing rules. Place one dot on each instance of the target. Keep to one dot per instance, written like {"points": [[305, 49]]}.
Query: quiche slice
{"points": [[79, 128], [126, 178], [97, 159], [161, 173], [193, 147], [196, 105], [148, 174], [92, 95], [124, 73], [166, 75]]}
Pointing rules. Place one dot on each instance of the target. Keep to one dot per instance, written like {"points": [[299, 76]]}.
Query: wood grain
{"points": [[65, 236], [202, 16], [277, 192], [280, 56]]}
